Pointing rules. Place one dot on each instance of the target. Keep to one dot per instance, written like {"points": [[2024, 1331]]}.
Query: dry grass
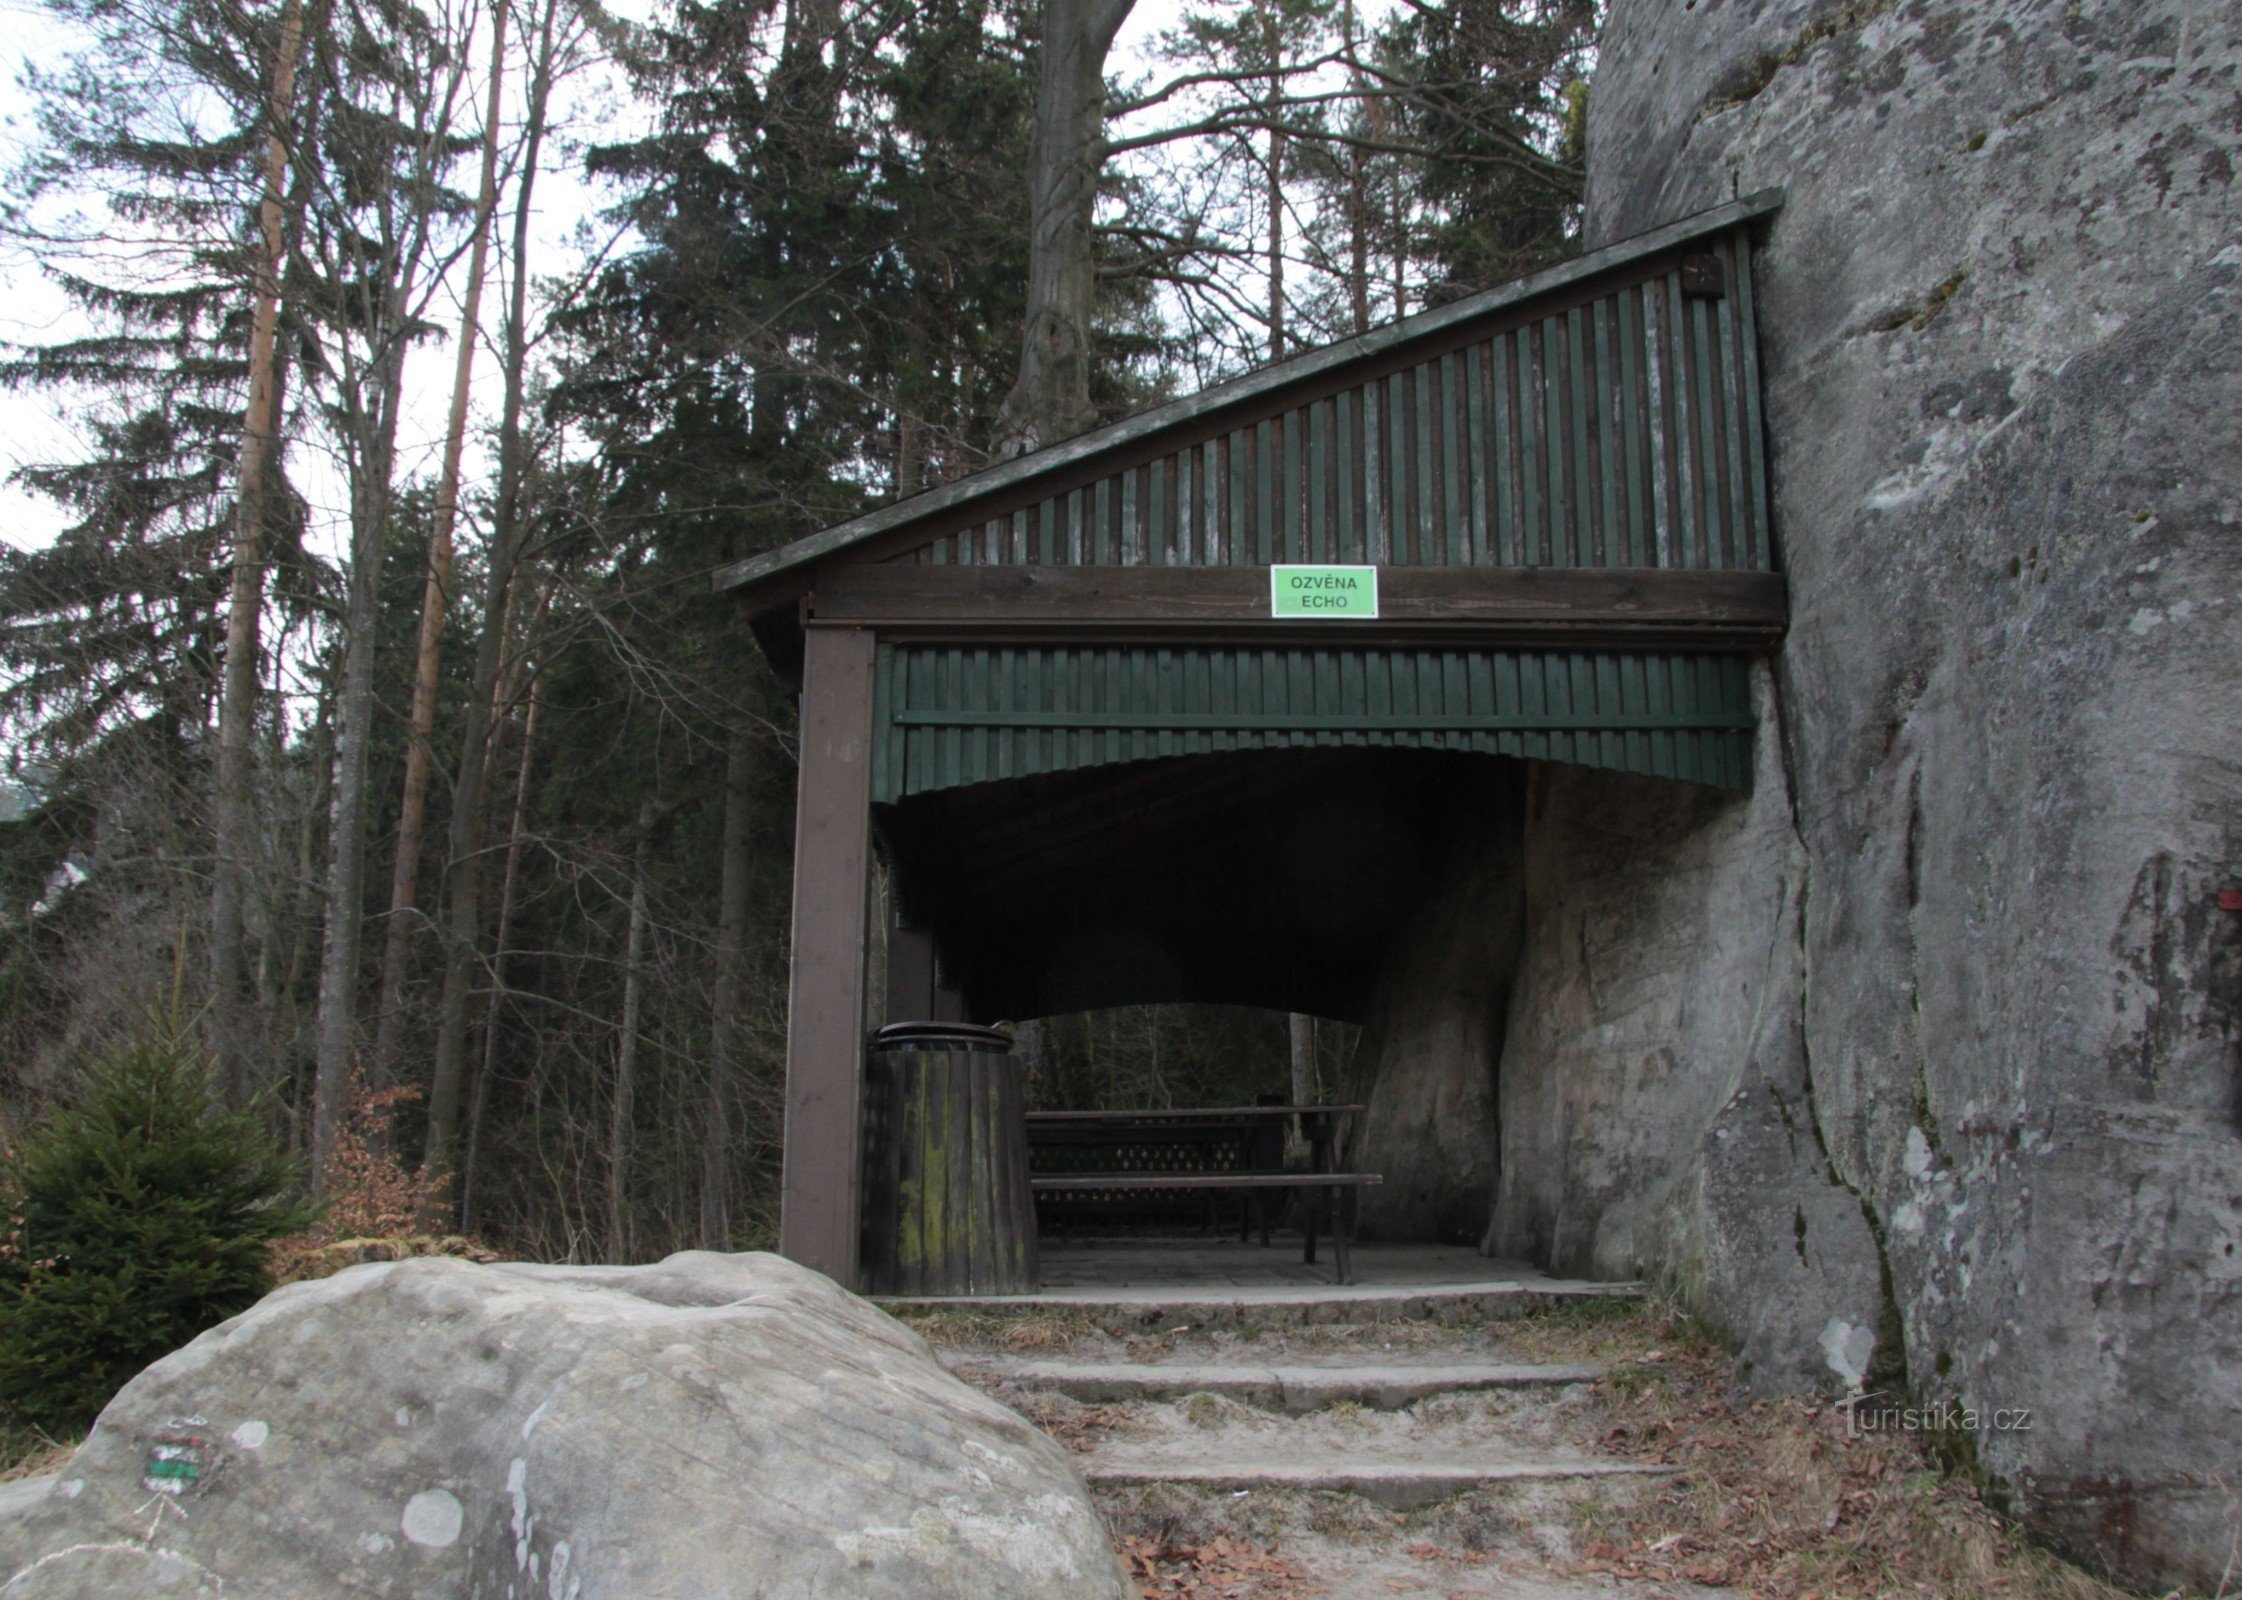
{"points": [[27, 1452], [1779, 1499], [305, 1256], [1016, 1333]]}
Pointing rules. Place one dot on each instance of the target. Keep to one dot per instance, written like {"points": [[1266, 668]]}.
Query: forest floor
{"points": [[1616, 1457]]}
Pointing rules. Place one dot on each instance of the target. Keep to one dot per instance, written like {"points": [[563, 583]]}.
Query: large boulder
{"points": [[1965, 950], [712, 1426]]}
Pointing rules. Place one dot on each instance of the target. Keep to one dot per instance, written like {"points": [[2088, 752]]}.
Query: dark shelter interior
{"points": [[1261, 878]]}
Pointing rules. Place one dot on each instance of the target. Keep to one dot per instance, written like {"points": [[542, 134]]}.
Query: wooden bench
{"points": [[1324, 1190], [1200, 1149]]}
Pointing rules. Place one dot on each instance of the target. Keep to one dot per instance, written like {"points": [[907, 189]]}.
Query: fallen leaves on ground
{"points": [[1781, 1499], [1073, 1423], [1032, 1333], [1223, 1568]]}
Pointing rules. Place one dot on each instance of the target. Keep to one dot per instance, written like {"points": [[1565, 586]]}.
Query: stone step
{"points": [[1295, 1388], [1170, 1310], [1398, 1485]]}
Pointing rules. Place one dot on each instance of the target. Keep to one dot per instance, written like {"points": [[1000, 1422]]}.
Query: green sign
{"points": [[1331, 592]]}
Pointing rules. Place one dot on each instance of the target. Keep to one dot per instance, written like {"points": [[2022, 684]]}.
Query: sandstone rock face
{"points": [[1977, 983], [711, 1426], [1656, 1112], [1425, 1070]]}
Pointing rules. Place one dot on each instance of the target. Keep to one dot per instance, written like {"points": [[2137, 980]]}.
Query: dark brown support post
{"points": [[818, 1207]]}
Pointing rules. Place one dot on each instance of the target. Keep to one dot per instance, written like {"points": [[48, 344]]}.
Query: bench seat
{"points": [[1323, 1185], [1204, 1180]]}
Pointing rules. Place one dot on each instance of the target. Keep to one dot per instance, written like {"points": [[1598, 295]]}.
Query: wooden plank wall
{"points": [[1620, 432], [952, 715]]}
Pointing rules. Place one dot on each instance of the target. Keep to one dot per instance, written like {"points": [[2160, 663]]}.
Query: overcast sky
{"points": [[33, 311]]}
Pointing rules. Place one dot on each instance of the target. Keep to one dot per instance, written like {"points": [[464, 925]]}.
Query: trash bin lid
{"points": [[943, 1036]]}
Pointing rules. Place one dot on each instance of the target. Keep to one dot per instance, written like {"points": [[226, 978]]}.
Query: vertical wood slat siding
{"points": [[947, 716], [1622, 432]]}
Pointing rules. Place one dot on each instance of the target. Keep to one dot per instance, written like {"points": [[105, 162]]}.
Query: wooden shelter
{"points": [[1058, 699]]}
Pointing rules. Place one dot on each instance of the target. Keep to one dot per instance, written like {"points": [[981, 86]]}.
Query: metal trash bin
{"points": [[947, 1205]]}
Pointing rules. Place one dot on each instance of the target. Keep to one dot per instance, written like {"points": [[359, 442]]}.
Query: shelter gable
{"points": [[1603, 413]]}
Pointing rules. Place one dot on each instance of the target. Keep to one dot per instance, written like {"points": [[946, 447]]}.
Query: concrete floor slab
{"points": [[1176, 1276]]}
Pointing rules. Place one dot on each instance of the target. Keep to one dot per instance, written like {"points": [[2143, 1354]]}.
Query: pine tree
{"points": [[130, 1222], [1494, 115], [111, 638]]}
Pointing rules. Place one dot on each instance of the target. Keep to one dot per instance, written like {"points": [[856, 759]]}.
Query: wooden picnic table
{"points": [[1206, 1149]]}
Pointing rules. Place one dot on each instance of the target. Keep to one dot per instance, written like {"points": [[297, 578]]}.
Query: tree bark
{"points": [[463, 912], [375, 427], [404, 886], [1050, 399], [234, 819], [1303, 1059], [731, 981], [1275, 46], [623, 1108], [380, 288], [1400, 249], [303, 914], [1358, 196], [494, 1011]]}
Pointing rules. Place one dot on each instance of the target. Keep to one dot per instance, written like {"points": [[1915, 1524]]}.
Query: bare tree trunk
{"points": [[1050, 400], [304, 898], [463, 917], [381, 315], [1303, 1059], [624, 1105], [404, 887], [375, 449], [910, 455], [1400, 250], [731, 980], [1276, 245], [1358, 196], [495, 1009], [303, 915], [1276, 190], [234, 818]]}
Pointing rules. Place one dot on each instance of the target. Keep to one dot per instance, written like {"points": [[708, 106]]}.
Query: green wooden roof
{"points": [[1603, 412]]}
